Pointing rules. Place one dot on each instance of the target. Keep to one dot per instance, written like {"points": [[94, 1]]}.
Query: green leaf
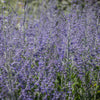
{"points": [[59, 88], [56, 81], [37, 63], [32, 66]]}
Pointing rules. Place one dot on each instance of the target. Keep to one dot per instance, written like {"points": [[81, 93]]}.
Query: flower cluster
{"points": [[56, 57]]}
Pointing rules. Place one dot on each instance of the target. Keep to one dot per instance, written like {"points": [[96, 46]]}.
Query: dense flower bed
{"points": [[56, 57]]}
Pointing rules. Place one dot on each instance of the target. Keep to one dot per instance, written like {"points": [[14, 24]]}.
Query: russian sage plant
{"points": [[54, 57]]}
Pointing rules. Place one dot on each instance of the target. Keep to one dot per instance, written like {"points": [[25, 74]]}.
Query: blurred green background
{"points": [[34, 7], [19, 6]]}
